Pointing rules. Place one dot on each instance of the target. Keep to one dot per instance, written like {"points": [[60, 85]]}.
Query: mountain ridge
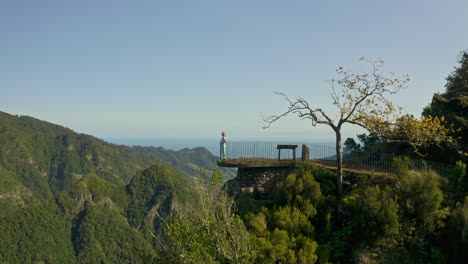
{"points": [[38, 159]]}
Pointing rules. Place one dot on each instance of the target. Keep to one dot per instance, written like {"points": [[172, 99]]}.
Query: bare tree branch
{"points": [[363, 100]]}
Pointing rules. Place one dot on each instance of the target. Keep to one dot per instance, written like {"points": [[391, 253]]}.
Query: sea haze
{"points": [[169, 143]]}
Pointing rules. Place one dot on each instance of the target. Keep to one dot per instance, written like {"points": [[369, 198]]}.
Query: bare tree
{"points": [[362, 100]]}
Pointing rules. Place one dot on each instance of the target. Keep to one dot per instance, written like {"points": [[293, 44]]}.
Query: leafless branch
{"points": [[300, 107]]}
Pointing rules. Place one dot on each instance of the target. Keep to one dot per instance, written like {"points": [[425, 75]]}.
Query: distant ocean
{"points": [[169, 143]]}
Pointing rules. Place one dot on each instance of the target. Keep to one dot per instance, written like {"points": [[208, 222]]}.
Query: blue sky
{"points": [[189, 69]]}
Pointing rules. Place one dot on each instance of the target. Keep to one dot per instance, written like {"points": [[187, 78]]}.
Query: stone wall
{"points": [[257, 182]]}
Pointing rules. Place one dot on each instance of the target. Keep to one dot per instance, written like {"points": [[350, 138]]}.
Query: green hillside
{"points": [[67, 197], [90, 221], [39, 159]]}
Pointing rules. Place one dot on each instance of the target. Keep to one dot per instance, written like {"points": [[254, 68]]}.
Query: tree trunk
{"points": [[339, 162]]}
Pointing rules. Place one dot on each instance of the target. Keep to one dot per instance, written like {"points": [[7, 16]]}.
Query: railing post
{"points": [[305, 152]]}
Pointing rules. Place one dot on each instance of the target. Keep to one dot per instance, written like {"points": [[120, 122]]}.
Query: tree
{"points": [[458, 80], [350, 145], [216, 178], [453, 106], [284, 232], [369, 142], [363, 100]]}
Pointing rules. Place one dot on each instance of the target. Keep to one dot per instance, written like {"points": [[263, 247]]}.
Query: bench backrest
{"points": [[286, 146]]}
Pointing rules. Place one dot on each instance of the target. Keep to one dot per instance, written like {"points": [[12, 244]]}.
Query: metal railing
{"points": [[326, 154], [392, 163]]}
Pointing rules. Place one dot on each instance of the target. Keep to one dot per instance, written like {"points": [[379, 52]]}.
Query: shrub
{"points": [[457, 178], [380, 210], [401, 165], [420, 195]]}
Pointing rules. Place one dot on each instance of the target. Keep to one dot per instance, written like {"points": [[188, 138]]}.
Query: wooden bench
{"points": [[292, 147]]}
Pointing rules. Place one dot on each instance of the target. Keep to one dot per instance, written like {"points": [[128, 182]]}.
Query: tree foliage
{"points": [[418, 133], [103, 235], [453, 106], [457, 234], [285, 233], [154, 189], [406, 219], [380, 210], [457, 81], [420, 195], [36, 234], [205, 230]]}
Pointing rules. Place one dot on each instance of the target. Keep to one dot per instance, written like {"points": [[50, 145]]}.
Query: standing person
{"points": [[222, 146]]}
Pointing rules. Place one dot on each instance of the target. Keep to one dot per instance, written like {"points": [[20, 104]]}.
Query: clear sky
{"points": [[189, 69]]}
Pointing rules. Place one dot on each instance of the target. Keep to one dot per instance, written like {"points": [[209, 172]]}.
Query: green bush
{"points": [[401, 165], [456, 241], [459, 172], [285, 232], [205, 230], [420, 195], [380, 211], [458, 180]]}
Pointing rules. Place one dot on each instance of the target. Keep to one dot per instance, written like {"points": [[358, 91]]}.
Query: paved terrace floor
{"points": [[275, 163]]}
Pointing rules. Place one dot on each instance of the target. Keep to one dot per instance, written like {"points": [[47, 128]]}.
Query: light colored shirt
{"points": [[223, 140]]}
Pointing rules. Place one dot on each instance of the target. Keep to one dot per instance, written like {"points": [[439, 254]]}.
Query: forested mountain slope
{"points": [[94, 220], [39, 159]]}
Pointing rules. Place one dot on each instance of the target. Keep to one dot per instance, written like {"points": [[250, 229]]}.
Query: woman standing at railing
{"points": [[222, 146]]}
